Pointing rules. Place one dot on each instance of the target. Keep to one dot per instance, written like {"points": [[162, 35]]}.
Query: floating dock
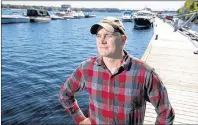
{"points": [[171, 55]]}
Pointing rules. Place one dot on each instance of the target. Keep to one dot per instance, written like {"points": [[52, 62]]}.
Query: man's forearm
{"points": [[70, 104]]}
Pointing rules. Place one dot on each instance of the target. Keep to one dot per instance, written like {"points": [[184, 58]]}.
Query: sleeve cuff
{"points": [[78, 116]]}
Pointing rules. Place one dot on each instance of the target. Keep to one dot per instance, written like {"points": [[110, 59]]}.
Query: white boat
{"points": [[143, 19], [127, 16], [78, 14], [56, 17], [66, 14], [14, 18], [87, 15], [38, 15]]}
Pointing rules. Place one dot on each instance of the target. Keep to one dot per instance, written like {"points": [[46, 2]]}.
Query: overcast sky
{"points": [[154, 5]]}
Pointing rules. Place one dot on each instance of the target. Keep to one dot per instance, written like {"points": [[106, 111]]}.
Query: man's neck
{"points": [[113, 63]]}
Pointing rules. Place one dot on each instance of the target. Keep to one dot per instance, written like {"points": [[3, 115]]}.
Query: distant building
{"points": [[65, 7], [148, 9]]}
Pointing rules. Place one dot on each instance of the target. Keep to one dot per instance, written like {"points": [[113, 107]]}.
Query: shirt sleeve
{"points": [[158, 96], [74, 83]]}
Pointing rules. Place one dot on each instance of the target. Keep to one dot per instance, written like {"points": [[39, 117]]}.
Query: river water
{"points": [[38, 57]]}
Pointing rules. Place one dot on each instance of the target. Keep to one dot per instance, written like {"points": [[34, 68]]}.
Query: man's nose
{"points": [[103, 40]]}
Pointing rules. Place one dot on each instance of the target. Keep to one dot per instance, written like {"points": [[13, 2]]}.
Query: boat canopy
{"points": [[34, 12], [144, 13]]}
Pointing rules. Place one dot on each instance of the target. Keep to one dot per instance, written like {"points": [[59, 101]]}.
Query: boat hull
{"points": [[39, 19], [79, 17], [14, 19], [142, 22], [68, 17], [54, 17], [90, 16]]}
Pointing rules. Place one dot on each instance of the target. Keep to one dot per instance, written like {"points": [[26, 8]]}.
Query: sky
{"points": [[154, 5]]}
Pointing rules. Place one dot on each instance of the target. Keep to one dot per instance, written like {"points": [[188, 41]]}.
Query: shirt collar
{"points": [[126, 62]]}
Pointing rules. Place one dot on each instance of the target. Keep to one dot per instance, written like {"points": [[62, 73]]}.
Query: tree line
{"points": [[190, 6], [51, 8]]}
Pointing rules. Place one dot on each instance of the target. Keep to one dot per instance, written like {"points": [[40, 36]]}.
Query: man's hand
{"points": [[85, 122]]}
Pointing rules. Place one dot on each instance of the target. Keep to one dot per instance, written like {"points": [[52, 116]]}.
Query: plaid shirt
{"points": [[118, 98]]}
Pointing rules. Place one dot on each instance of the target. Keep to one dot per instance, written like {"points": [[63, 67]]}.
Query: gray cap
{"points": [[111, 24]]}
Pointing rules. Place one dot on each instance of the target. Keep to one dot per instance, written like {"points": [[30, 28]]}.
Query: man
{"points": [[118, 85]]}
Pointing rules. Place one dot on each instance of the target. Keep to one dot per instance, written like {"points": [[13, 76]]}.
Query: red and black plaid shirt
{"points": [[118, 98]]}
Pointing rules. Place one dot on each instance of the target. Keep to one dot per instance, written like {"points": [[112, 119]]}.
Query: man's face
{"points": [[108, 43]]}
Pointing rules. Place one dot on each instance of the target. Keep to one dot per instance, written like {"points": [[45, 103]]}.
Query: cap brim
{"points": [[106, 26]]}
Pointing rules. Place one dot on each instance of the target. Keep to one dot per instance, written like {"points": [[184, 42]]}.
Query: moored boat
{"points": [[65, 13], [14, 18], [78, 14], [36, 15], [87, 15], [127, 16], [56, 17], [143, 19]]}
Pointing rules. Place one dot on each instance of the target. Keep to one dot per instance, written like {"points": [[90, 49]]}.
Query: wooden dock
{"points": [[173, 59]]}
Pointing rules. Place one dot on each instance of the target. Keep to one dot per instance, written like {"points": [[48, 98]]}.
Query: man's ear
{"points": [[124, 37]]}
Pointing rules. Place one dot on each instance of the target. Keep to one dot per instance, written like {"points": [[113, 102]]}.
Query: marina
{"points": [[38, 57], [39, 15]]}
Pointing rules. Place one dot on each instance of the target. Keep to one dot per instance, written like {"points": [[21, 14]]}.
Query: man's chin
{"points": [[103, 54]]}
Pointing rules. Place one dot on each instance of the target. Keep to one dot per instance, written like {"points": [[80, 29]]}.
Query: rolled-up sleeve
{"points": [[74, 83], [158, 96]]}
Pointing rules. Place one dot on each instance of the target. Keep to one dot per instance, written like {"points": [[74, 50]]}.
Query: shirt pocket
{"points": [[126, 97], [131, 97]]}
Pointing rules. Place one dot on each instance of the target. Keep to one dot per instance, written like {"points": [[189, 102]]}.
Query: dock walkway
{"points": [[173, 59]]}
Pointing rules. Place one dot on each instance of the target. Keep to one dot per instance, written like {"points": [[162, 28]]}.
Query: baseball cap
{"points": [[111, 24]]}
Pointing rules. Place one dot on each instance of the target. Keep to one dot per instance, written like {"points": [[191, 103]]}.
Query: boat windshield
{"points": [[127, 13], [144, 14]]}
